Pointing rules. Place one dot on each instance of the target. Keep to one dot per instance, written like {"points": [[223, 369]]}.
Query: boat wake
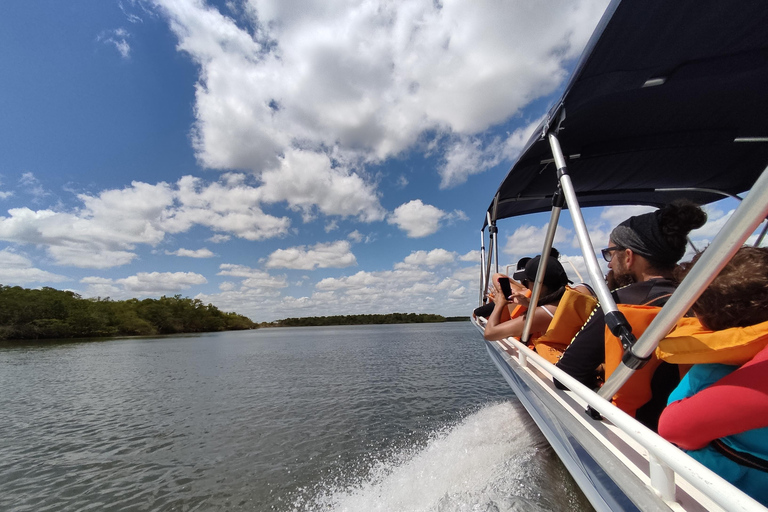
{"points": [[493, 460]]}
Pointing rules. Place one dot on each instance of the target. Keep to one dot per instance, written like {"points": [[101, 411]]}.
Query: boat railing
{"points": [[665, 459]]}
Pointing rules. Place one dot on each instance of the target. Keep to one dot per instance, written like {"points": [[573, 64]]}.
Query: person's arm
{"points": [[496, 328], [586, 352], [736, 403]]}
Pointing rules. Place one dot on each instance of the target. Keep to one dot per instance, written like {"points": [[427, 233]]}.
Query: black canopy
{"points": [[668, 94]]}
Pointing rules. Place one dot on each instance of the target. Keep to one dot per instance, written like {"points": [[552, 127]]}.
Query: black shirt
{"points": [[587, 350]]}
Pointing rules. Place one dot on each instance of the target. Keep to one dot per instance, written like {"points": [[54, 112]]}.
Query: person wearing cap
{"points": [[486, 309], [643, 250], [553, 288]]}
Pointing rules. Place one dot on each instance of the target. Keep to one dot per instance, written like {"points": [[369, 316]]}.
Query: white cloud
{"points": [[331, 226], [161, 282], [109, 226], [415, 290], [253, 278], [16, 269], [230, 206], [218, 239], [307, 180], [355, 236], [32, 186], [615, 215], [430, 283], [324, 255], [417, 219], [529, 240], [189, 253], [117, 38], [142, 284], [429, 259], [101, 234], [473, 256], [468, 155], [468, 274], [362, 80]]}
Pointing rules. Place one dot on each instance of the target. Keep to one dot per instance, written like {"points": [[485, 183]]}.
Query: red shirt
{"points": [[736, 403]]}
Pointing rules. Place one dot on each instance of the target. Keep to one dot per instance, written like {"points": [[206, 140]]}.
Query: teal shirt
{"points": [[752, 481]]}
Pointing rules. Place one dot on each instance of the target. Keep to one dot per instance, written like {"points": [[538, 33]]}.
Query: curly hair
{"points": [[738, 296]]}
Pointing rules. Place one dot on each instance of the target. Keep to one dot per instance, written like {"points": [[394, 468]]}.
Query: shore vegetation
{"points": [[49, 313]]}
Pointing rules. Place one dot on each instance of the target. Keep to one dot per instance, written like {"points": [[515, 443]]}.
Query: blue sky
{"points": [[274, 157]]}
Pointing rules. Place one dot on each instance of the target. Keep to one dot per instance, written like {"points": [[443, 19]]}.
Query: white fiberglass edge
{"points": [[699, 476]]}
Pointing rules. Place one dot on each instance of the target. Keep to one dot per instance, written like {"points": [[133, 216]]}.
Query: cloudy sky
{"points": [[276, 157]]}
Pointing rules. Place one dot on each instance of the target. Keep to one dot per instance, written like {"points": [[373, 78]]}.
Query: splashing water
{"points": [[494, 460]]}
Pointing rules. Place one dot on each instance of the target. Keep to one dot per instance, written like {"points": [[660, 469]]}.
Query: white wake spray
{"points": [[493, 460]]}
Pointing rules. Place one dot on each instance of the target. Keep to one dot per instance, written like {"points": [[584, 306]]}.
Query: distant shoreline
{"points": [[49, 314], [338, 320]]}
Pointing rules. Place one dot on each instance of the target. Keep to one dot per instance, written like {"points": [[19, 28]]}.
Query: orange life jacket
{"points": [[514, 310], [636, 392], [572, 313], [692, 343]]}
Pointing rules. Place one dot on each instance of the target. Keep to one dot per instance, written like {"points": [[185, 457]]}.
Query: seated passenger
{"points": [[553, 288], [719, 413], [644, 249], [486, 310]]}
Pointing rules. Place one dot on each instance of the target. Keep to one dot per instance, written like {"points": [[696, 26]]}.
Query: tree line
{"points": [[391, 318], [50, 313]]}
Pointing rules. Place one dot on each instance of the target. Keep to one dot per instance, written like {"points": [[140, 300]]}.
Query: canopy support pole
{"points": [[489, 257], [483, 274], [744, 221], [557, 206], [614, 318], [495, 233]]}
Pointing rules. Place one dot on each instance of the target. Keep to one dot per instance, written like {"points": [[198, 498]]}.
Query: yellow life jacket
{"points": [[636, 392], [692, 343], [572, 312]]}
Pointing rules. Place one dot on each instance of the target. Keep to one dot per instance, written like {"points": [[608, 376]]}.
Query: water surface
{"points": [[390, 418]]}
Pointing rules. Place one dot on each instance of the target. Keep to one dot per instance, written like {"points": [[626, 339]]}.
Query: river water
{"points": [[364, 418]]}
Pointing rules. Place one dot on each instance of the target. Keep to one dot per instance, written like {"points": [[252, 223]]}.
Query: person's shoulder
{"points": [[641, 292]]}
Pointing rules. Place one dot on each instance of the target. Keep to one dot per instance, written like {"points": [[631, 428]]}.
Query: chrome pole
{"points": [[598, 280], [483, 275], [490, 251], [747, 217], [495, 231], [549, 239]]}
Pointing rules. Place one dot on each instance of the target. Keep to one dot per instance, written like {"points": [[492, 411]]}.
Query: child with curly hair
{"points": [[719, 411]]}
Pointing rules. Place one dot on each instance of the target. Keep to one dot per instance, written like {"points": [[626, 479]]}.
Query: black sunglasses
{"points": [[607, 256]]}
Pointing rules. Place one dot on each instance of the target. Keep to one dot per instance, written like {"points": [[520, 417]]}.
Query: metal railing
{"points": [[665, 459]]}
